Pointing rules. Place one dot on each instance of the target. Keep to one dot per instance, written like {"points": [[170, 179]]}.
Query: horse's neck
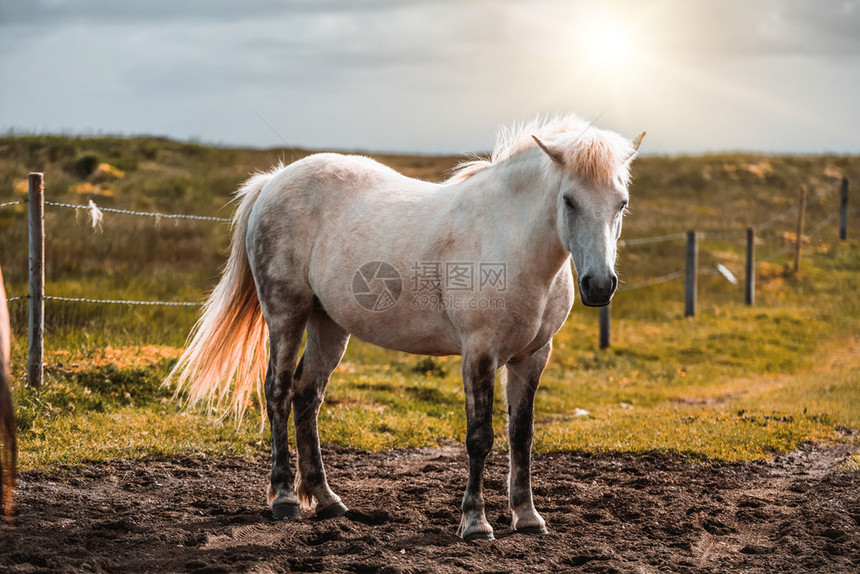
{"points": [[519, 199]]}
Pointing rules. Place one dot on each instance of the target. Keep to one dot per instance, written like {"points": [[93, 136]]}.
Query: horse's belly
{"points": [[381, 302], [409, 332], [377, 306], [414, 345]]}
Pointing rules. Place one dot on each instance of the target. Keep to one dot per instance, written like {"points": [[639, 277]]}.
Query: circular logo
{"points": [[376, 286]]}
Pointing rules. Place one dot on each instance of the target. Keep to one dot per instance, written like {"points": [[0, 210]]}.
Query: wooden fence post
{"points": [[692, 270], [843, 210], [749, 283], [801, 215], [36, 351], [605, 326]]}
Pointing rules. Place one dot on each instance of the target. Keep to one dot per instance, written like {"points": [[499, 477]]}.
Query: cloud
{"points": [[66, 12], [419, 75], [60, 13], [760, 28]]}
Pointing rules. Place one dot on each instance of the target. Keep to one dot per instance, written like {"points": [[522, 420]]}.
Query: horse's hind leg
{"points": [[286, 321], [326, 343], [523, 378]]}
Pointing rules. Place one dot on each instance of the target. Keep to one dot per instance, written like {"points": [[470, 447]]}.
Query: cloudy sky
{"points": [[436, 75]]}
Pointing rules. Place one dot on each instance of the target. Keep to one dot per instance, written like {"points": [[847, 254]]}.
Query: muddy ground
{"points": [[650, 513]]}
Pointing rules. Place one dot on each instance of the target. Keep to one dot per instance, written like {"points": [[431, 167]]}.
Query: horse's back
{"points": [[325, 194], [324, 176], [322, 203]]}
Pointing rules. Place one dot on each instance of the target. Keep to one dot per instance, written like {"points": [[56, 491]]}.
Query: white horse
{"points": [[477, 266]]}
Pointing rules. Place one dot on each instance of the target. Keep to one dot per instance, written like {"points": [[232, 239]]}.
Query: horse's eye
{"points": [[623, 207], [569, 204]]}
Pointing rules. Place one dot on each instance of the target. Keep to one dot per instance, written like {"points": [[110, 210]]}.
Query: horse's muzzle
{"points": [[597, 292]]}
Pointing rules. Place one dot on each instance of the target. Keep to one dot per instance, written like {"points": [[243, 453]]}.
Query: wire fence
{"points": [[650, 282], [124, 302], [97, 211], [94, 208], [723, 235], [811, 233], [655, 239]]}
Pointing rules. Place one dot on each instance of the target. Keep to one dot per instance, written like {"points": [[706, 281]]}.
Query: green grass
{"points": [[102, 412], [734, 383]]}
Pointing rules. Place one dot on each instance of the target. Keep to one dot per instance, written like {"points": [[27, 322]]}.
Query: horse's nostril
{"points": [[585, 284], [613, 284]]}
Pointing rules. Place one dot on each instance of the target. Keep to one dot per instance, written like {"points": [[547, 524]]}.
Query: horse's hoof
{"points": [[533, 530], [286, 511], [479, 536], [332, 510]]}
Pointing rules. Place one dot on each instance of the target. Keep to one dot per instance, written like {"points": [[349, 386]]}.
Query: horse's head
{"points": [[591, 202]]}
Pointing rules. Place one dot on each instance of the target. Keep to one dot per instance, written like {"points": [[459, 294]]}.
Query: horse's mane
{"points": [[595, 155]]}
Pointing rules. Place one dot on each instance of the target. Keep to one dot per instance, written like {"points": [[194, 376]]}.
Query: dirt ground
{"points": [[650, 513]]}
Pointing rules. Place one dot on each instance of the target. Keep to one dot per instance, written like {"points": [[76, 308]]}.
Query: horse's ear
{"points": [[637, 141], [554, 155]]}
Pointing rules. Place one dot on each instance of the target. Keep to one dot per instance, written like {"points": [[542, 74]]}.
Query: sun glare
{"points": [[609, 45]]}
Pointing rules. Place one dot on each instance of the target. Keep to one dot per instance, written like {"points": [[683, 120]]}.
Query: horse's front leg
{"points": [[523, 378], [479, 373]]}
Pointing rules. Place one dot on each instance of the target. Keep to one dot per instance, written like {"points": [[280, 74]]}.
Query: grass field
{"points": [[736, 382]]}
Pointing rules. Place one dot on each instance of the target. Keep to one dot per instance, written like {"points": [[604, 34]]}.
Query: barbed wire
{"points": [[141, 213], [93, 207], [786, 248], [818, 197], [782, 250], [773, 220], [650, 282], [656, 239], [112, 301], [721, 234], [730, 234], [822, 224], [122, 302]]}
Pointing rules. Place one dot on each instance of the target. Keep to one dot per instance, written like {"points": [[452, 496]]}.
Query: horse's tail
{"points": [[225, 359], [9, 453]]}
